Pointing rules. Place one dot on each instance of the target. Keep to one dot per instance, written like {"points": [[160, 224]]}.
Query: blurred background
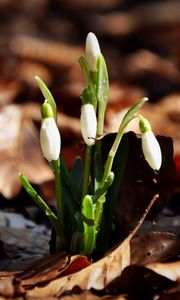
{"points": [[141, 44]]}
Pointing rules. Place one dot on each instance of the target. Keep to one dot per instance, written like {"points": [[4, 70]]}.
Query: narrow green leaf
{"points": [[77, 173], [98, 165], [70, 192], [90, 83], [102, 84], [71, 184], [84, 66], [39, 201], [70, 203]]}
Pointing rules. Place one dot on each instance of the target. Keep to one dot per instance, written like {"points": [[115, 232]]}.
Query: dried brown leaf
{"points": [[9, 92], [153, 247], [87, 295], [96, 276], [19, 151], [50, 52], [6, 286]]}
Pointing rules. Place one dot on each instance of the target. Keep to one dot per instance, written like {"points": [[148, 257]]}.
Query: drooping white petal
{"points": [[88, 124], [50, 139], [151, 150], [92, 51]]}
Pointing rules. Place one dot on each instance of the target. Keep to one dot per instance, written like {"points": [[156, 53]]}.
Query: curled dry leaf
{"points": [[43, 270], [139, 282], [169, 270], [19, 151]]}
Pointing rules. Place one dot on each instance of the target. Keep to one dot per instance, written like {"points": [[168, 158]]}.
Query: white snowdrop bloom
{"points": [[88, 124], [92, 51], [151, 150], [50, 139]]}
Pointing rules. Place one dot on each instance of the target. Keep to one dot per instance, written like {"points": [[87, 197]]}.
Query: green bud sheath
{"points": [[144, 125], [46, 110], [86, 96]]}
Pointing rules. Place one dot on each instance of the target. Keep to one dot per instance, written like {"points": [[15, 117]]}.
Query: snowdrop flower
{"points": [[88, 124], [50, 139], [92, 51], [150, 145]]}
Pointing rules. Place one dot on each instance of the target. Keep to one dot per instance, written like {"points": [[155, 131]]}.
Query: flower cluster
{"points": [[82, 194]]}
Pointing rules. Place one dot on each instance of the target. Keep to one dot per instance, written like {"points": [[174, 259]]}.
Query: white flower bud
{"points": [[92, 51], [150, 145], [88, 124], [50, 139], [151, 150]]}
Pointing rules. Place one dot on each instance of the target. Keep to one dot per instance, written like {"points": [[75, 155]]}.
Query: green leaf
{"points": [[71, 184], [70, 191], [118, 168], [70, 202], [84, 66], [77, 173], [89, 227], [102, 84], [39, 201], [98, 165], [90, 82], [99, 211], [47, 95]]}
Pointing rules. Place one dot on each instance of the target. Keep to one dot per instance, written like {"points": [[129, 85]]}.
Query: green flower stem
{"points": [[112, 154], [129, 116], [39, 201], [98, 211], [59, 200], [60, 240], [99, 198], [101, 191], [86, 171]]}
